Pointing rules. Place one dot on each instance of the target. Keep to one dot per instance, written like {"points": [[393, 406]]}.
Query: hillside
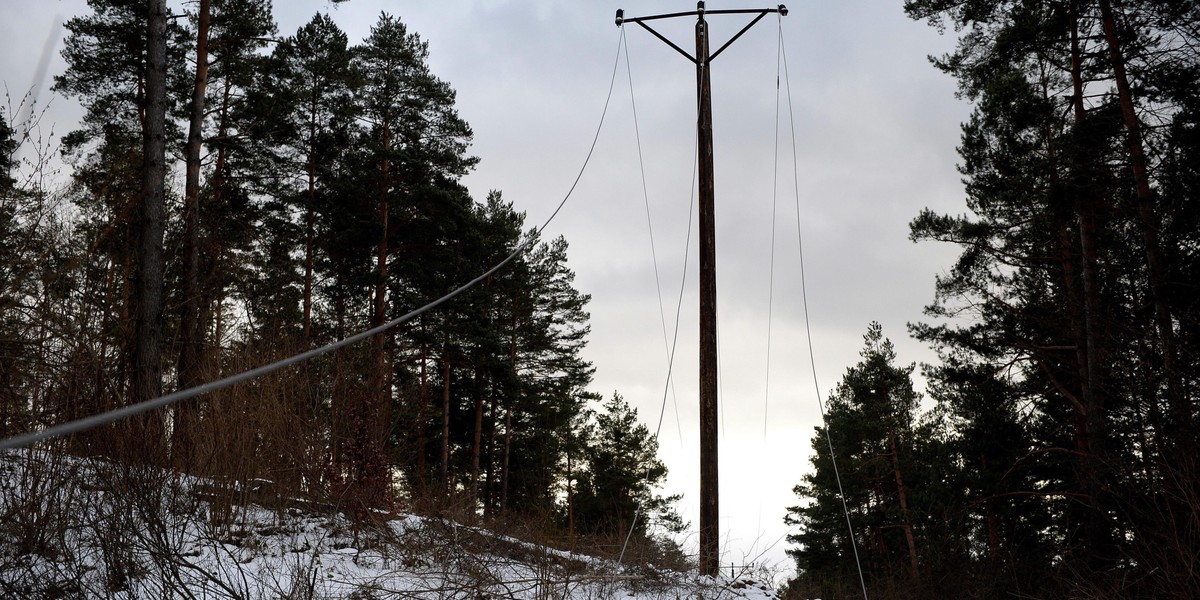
{"points": [[76, 528]]}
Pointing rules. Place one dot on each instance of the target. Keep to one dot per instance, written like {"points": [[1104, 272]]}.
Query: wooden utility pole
{"points": [[710, 553]]}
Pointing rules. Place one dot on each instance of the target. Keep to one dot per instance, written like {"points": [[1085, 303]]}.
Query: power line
{"points": [[667, 345], [774, 204], [117, 414], [807, 327], [668, 385], [771, 270]]}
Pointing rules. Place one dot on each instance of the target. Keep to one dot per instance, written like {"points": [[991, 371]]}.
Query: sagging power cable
{"points": [[668, 384], [668, 345], [808, 327], [123, 412]]}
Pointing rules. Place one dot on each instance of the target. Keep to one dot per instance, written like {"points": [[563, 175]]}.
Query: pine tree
{"points": [[217, 221], [109, 69], [147, 433], [189, 320], [548, 340], [615, 492], [106, 69], [1070, 278], [871, 419], [311, 102], [321, 195], [413, 150], [14, 405], [240, 30]]}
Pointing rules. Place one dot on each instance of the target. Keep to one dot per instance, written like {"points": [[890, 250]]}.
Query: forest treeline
{"points": [[1056, 455], [312, 191]]}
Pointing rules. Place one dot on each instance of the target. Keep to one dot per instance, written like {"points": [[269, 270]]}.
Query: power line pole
{"points": [[710, 553]]}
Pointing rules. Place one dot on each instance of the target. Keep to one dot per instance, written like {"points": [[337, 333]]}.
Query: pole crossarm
{"points": [[667, 41], [700, 12]]}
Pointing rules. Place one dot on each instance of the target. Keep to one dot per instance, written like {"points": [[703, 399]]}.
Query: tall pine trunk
{"points": [[512, 365], [1148, 224], [903, 494], [368, 458], [445, 470], [147, 353], [478, 440], [570, 499], [190, 338], [1061, 208], [210, 289], [489, 460], [310, 217], [507, 452], [422, 408], [338, 404], [1094, 418]]}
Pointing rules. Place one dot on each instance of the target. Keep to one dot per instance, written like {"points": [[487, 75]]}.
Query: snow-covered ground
{"points": [[72, 528]]}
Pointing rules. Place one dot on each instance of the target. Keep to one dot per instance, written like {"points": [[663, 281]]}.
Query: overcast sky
{"points": [[876, 129]]}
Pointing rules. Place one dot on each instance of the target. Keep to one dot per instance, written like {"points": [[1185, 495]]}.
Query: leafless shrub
{"points": [[37, 492], [1168, 548], [139, 531]]}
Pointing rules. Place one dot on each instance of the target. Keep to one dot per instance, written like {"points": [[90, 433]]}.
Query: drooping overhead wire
{"points": [[117, 414], [667, 344], [771, 269], [807, 326], [668, 385], [687, 248]]}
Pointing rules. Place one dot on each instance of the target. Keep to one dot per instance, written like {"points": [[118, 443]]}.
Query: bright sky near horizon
{"points": [[876, 129]]}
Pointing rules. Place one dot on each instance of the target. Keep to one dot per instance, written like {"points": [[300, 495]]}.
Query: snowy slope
{"points": [[72, 528]]}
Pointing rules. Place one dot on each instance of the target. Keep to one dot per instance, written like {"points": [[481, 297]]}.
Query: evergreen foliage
{"points": [[8, 148], [323, 198], [616, 490], [13, 292], [1067, 327], [105, 53], [872, 422]]}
